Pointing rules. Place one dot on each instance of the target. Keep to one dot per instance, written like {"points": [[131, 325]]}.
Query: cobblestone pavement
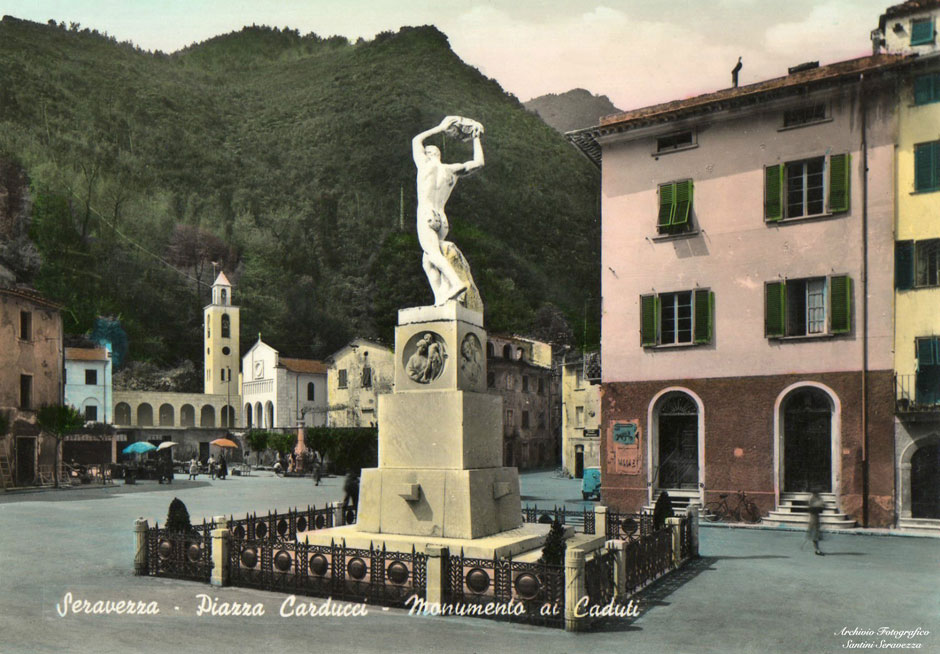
{"points": [[752, 590]]}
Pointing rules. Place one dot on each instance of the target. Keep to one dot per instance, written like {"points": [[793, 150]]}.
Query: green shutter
{"points": [[840, 304], [904, 265], [667, 205], [775, 308], [927, 352], [927, 166], [839, 172], [683, 202], [773, 193], [922, 32], [926, 88], [647, 320], [704, 315]]}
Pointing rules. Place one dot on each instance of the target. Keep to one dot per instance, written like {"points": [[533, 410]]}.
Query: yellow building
{"points": [[222, 345], [580, 418], [357, 374], [912, 28]]}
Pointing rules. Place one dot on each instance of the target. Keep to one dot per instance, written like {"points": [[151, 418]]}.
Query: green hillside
{"points": [[285, 159]]}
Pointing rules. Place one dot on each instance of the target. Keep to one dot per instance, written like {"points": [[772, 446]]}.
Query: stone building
{"points": [[747, 330], [31, 364], [520, 369], [88, 382], [280, 392], [357, 374], [580, 416]]}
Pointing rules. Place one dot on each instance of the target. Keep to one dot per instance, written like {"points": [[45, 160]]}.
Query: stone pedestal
{"points": [[440, 476]]}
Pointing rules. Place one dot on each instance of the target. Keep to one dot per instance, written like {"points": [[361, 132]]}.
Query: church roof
{"points": [[221, 280], [309, 366]]}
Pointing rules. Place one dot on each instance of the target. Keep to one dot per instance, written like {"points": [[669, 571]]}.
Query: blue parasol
{"points": [[139, 447]]}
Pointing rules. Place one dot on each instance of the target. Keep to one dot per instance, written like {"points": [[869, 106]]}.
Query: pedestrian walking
{"points": [[223, 467], [193, 468], [317, 468], [211, 464], [813, 532], [351, 488]]}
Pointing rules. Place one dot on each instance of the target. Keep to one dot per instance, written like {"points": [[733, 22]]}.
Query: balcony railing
{"points": [[913, 394]]}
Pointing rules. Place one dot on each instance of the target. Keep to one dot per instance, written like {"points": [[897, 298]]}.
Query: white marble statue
{"points": [[436, 181]]}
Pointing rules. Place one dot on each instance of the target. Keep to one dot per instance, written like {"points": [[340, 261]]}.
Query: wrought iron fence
{"points": [[628, 525], [599, 577], [282, 526], [647, 558], [577, 518], [182, 555], [376, 576], [504, 589]]}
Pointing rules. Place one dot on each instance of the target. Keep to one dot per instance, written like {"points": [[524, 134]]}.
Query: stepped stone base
{"points": [[525, 538], [924, 525], [446, 502], [794, 511]]}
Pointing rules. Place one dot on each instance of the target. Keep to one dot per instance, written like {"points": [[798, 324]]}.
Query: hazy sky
{"points": [[637, 52]]}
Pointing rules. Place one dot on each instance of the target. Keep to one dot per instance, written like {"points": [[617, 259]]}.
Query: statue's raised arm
{"points": [[435, 182]]}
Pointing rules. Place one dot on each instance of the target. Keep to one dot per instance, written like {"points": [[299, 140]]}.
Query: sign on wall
{"points": [[623, 447]]}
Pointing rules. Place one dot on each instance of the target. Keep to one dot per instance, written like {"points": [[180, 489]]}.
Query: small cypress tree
{"points": [[554, 550], [177, 518]]}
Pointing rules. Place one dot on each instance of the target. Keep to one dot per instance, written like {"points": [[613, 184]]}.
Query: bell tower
{"points": [[220, 332]]}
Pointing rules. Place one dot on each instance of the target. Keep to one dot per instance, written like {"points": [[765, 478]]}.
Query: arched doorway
{"points": [[248, 415], [925, 482], [677, 442], [807, 441], [269, 414]]}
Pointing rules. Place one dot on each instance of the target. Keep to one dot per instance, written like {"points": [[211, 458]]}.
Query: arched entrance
{"points": [[925, 482], [807, 441], [677, 424]]}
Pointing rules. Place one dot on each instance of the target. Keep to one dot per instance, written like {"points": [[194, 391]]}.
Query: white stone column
{"points": [[338, 518], [600, 521], [675, 526], [436, 582], [693, 519], [140, 552], [221, 544], [618, 547], [575, 588]]}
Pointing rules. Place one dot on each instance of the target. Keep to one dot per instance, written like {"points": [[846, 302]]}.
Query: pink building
{"points": [[747, 294]]}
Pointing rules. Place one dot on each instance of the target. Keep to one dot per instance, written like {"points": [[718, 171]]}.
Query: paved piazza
{"points": [[753, 590]]}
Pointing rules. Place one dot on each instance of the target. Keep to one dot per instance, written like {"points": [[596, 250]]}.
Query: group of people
{"points": [[217, 467]]}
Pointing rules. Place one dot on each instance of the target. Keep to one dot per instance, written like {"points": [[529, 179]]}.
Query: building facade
{"points": [[221, 324], [580, 417], [280, 392], [747, 329], [88, 382], [31, 365], [520, 369], [356, 375], [912, 28]]}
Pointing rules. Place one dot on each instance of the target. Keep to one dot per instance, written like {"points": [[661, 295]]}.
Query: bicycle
{"points": [[745, 510]]}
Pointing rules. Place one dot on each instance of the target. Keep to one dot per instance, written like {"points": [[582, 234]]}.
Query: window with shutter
{"points": [[808, 307], [798, 189], [675, 207], [927, 263], [922, 31], [927, 166], [927, 89], [904, 265], [678, 318]]}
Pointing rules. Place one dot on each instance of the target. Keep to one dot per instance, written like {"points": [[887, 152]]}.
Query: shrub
{"points": [[554, 550], [177, 518]]}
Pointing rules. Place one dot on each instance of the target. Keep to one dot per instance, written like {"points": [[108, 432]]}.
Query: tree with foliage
{"points": [[58, 421], [281, 442], [553, 552], [257, 440], [347, 448], [177, 517]]}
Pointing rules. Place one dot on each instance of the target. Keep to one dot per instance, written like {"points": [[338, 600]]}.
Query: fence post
{"points": [[338, 518], [221, 542], [436, 578], [693, 529], [619, 550], [140, 552], [574, 588], [600, 521], [675, 527]]}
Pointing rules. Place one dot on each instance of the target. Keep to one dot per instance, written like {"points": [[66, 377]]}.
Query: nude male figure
{"points": [[436, 181]]}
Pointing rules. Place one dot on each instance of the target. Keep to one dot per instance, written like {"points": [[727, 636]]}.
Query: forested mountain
{"points": [[574, 109], [285, 160]]}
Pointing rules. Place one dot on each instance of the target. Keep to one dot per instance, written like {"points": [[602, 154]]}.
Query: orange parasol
{"points": [[223, 442]]}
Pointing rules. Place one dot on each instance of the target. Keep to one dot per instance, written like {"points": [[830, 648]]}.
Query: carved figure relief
{"points": [[426, 362], [471, 358]]}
